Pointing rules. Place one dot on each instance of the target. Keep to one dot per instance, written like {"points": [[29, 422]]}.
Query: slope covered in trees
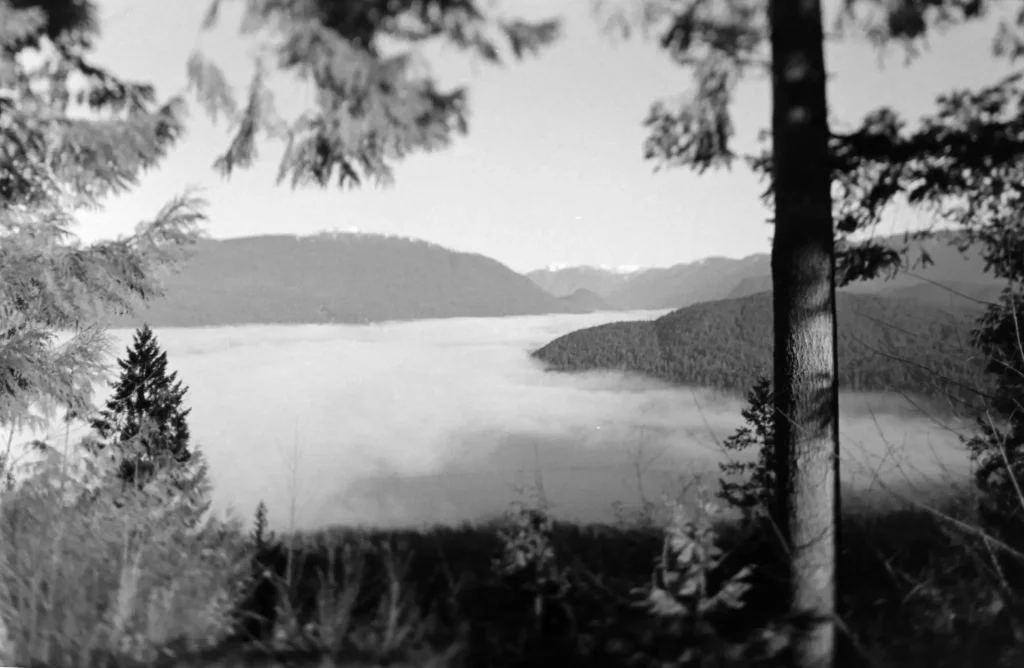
{"points": [[885, 344], [339, 278]]}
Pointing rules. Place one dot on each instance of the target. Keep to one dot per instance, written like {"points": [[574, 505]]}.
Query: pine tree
{"points": [[145, 419], [71, 134]]}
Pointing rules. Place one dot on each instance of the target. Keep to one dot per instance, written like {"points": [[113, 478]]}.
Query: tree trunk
{"points": [[803, 277]]}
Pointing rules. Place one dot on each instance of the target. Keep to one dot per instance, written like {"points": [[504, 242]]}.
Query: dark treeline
{"points": [[886, 344]]}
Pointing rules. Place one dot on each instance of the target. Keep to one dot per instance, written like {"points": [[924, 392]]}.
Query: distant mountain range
{"points": [[342, 278], [716, 278], [359, 278]]}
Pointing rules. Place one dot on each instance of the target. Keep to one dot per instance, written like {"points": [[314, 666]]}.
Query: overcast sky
{"points": [[552, 171]]}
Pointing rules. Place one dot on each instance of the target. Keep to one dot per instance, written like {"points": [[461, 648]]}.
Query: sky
{"points": [[552, 171]]}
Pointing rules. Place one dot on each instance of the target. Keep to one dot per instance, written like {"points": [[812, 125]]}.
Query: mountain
{"points": [[338, 278], [751, 285], [653, 287], [719, 278], [684, 284], [891, 344], [585, 301], [564, 281]]}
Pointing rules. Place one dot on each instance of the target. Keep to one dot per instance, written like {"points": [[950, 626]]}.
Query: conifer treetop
{"points": [[146, 414]]}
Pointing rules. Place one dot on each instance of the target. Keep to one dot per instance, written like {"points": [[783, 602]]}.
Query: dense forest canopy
{"points": [[886, 344]]}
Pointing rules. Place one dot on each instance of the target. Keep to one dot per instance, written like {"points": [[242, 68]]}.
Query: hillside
{"points": [[721, 278], [568, 280], [339, 278], [585, 301], [885, 344]]}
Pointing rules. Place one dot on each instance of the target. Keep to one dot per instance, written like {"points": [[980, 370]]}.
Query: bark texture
{"points": [[803, 275]]}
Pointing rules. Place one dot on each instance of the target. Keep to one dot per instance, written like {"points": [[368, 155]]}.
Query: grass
{"points": [[89, 582]]}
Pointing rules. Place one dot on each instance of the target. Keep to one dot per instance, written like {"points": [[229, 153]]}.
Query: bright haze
{"points": [[552, 170], [441, 419], [447, 420]]}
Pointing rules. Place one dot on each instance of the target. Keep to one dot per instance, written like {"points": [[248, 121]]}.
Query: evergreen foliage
{"points": [[886, 344], [964, 165], [71, 134], [145, 419], [752, 482], [374, 103], [261, 534]]}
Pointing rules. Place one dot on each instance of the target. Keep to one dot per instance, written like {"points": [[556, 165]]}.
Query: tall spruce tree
{"points": [[145, 419], [71, 134]]}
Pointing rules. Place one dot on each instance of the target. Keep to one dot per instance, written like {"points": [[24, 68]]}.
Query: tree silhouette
{"points": [[145, 419]]}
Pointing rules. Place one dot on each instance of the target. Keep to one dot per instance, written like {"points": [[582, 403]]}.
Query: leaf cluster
{"points": [[375, 101]]}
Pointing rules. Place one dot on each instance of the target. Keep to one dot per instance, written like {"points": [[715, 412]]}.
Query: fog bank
{"points": [[441, 420]]}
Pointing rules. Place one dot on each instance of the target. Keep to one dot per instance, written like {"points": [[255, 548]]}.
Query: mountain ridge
{"points": [[717, 277], [337, 278]]}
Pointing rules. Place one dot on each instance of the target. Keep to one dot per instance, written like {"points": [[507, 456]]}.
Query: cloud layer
{"points": [[441, 420]]}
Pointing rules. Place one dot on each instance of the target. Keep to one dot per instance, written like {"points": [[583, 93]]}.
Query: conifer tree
{"points": [[754, 491], [71, 134], [145, 419]]}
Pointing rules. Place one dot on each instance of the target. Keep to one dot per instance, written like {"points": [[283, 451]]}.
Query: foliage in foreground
{"points": [[72, 135], [87, 581], [90, 570]]}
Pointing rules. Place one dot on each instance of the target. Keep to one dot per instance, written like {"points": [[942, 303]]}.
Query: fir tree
{"points": [[145, 419], [71, 134]]}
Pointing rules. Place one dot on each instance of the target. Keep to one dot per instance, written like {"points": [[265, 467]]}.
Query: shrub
{"points": [[695, 599], [89, 573], [528, 559]]}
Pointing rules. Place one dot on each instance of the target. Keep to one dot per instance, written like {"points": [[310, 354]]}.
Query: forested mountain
{"points": [[719, 278], [339, 278], [885, 344]]}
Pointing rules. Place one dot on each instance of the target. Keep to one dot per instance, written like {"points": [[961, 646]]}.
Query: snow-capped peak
{"points": [[615, 269]]}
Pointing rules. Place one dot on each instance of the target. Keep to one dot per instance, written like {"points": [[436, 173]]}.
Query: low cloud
{"points": [[441, 420]]}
